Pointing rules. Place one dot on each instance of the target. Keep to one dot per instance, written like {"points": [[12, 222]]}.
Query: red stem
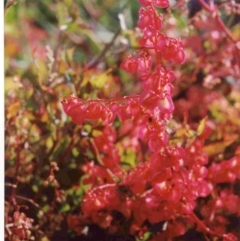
{"points": [[27, 199], [215, 14], [203, 227], [225, 29]]}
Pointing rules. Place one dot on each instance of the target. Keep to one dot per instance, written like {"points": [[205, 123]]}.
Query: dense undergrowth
{"points": [[122, 120]]}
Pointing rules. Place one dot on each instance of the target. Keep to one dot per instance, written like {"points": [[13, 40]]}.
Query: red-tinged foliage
{"points": [[20, 228], [153, 153], [226, 171]]}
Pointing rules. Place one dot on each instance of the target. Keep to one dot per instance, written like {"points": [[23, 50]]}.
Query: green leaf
{"points": [[217, 148], [65, 208], [101, 80], [46, 208], [62, 13], [201, 126], [146, 236], [75, 152], [35, 188]]}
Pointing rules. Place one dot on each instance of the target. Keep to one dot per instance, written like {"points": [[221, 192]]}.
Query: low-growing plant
{"points": [[134, 139]]}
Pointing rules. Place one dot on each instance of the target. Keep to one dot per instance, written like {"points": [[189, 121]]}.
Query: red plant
{"points": [[162, 162], [166, 183]]}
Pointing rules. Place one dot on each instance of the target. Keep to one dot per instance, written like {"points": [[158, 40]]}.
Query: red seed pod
{"points": [[158, 3], [130, 64], [149, 19], [75, 109], [144, 63], [161, 3], [153, 39]]}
